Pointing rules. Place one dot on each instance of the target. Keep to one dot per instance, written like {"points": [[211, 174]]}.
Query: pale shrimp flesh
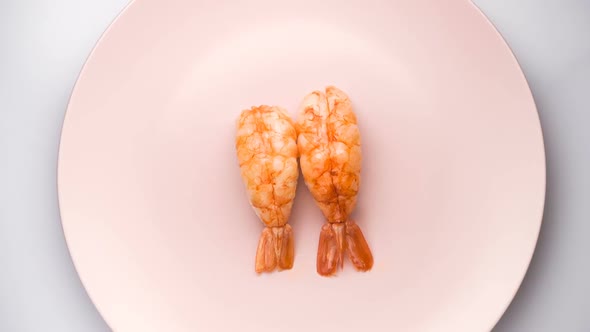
{"points": [[267, 155], [329, 147]]}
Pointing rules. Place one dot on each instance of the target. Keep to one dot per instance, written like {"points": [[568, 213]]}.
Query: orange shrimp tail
{"points": [[358, 249], [335, 239], [275, 249]]}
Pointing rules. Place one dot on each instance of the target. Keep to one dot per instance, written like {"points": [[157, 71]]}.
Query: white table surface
{"points": [[44, 43]]}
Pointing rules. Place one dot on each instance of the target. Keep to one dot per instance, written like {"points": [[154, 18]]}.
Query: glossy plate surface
{"points": [[155, 213]]}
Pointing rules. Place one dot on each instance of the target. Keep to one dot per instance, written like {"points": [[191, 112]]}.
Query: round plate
{"points": [[155, 213]]}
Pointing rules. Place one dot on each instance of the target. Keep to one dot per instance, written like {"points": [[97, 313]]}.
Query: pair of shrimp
{"points": [[327, 140]]}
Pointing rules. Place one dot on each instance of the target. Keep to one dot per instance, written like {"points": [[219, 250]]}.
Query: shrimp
{"points": [[330, 157], [267, 154]]}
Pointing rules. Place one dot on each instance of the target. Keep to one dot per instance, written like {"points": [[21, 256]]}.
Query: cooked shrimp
{"points": [[267, 154], [330, 156]]}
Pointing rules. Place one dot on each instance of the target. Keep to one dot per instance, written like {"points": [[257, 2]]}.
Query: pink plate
{"points": [[155, 213]]}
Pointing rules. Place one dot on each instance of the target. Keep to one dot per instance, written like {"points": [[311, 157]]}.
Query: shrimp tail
{"points": [[335, 239], [330, 249], [275, 249], [358, 249]]}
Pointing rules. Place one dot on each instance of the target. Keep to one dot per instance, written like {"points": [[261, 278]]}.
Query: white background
{"points": [[44, 43]]}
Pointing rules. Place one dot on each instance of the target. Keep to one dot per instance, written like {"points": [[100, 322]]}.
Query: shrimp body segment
{"points": [[329, 146], [267, 155]]}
